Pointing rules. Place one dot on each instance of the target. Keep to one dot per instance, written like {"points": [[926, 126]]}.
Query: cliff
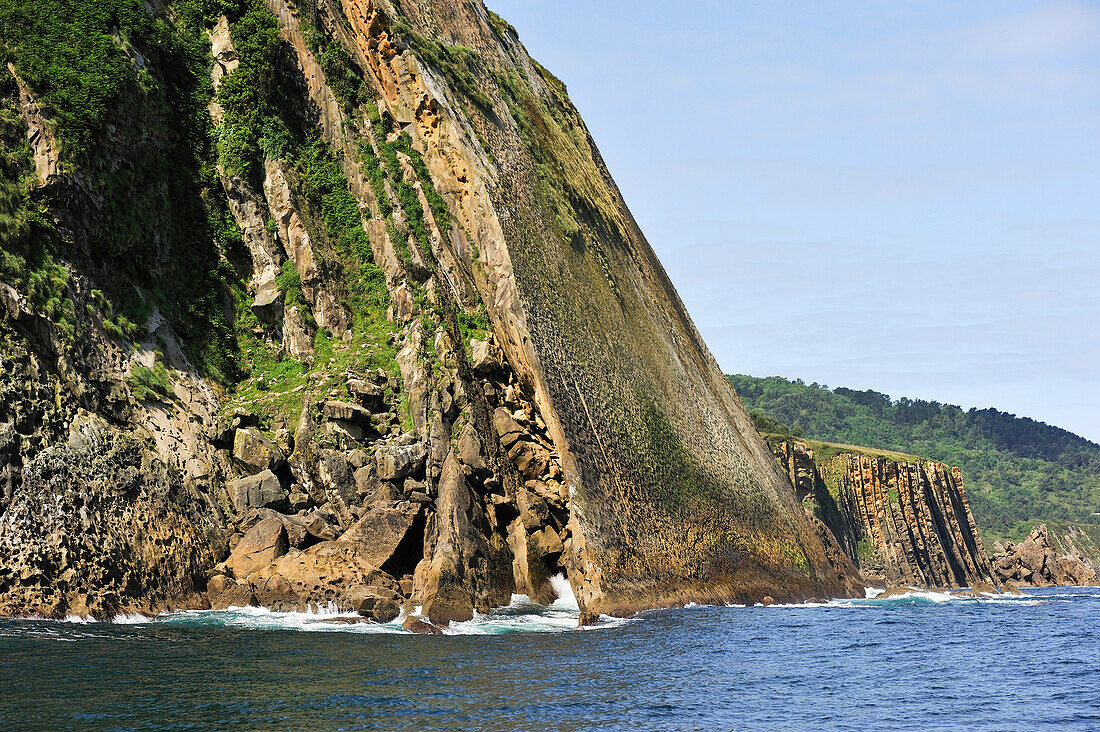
{"points": [[337, 302], [902, 520]]}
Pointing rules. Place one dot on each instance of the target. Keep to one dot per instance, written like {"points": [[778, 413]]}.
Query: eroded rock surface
{"points": [[1037, 562]]}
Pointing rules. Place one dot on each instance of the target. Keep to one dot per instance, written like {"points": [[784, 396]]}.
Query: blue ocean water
{"points": [[927, 661]]}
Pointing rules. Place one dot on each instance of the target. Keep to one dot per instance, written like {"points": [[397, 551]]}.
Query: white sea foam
{"points": [[258, 618], [564, 590], [916, 596], [521, 615]]}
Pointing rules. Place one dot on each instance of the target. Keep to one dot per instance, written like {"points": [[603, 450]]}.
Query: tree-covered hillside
{"points": [[1018, 471]]}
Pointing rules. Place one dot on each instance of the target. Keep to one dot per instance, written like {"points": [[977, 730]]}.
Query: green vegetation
{"points": [[342, 74], [150, 384], [1018, 472], [126, 93], [251, 97], [28, 257], [865, 550], [78, 57], [326, 188], [767, 424], [501, 26]]}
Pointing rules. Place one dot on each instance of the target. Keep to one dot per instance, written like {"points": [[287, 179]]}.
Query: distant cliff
{"points": [[335, 301], [903, 521], [1046, 558]]}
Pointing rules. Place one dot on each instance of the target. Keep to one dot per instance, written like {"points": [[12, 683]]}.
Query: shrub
{"points": [[150, 384]]}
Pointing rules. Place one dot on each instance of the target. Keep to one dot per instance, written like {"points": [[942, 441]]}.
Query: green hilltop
{"points": [[1018, 472]]}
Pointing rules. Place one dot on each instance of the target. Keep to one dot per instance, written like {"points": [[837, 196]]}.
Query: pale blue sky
{"points": [[901, 196]]}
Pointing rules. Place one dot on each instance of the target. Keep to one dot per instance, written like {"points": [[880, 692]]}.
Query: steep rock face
{"points": [[430, 336], [674, 496], [1041, 560], [905, 523], [99, 527]]}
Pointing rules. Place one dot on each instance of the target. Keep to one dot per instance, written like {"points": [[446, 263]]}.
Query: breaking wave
{"points": [[521, 615]]}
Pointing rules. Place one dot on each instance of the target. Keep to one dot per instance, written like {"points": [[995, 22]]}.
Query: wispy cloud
{"points": [[1048, 30]]}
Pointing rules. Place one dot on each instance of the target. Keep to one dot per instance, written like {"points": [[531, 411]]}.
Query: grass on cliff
{"points": [[277, 384], [150, 384], [458, 63], [826, 450], [126, 93]]}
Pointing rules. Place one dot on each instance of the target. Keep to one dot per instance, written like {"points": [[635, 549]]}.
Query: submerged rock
{"points": [[421, 626]]}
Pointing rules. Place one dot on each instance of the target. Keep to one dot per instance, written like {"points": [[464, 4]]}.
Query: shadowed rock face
{"points": [[514, 390], [906, 524]]}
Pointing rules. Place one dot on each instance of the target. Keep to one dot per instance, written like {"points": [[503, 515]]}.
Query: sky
{"points": [[903, 196]]}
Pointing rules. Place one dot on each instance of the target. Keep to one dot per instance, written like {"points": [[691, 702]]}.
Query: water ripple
{"points": [[915, 662]]}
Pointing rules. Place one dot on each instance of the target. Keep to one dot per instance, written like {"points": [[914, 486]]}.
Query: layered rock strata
{"points": [[903, 523], [463, 370]]}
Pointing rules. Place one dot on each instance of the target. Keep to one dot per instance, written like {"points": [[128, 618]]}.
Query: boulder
{"points": [[416, 624], [380, 603], [330, 572], [532, 509], [321, 524], [253, 453], [397, 462], [347, 412], [368, 394], [411, 485], [506, 428], [358, 458], [366, 482], [296, 533], [546, 543], [484, 358], [262, 490], [268, 303], [380, 532], [470, 452], [345, 435], [531, 459], [336, 476], [298, 501], [224, 592], [262, 544]]}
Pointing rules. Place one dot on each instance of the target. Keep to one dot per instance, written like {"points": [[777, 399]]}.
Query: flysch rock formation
{"points": [[1043, 560], [487, 380], [905, 524]]}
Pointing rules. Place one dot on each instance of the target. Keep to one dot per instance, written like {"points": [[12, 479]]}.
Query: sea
{"points": [[921, 661]]}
